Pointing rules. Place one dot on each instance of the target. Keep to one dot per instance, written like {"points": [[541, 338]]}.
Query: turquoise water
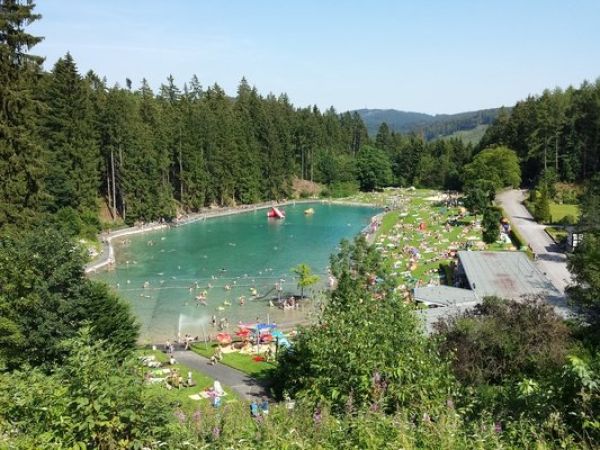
{"points": [[242, 251]]}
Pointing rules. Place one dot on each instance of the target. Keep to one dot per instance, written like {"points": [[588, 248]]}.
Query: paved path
{"points": [[550, 259], [246, 386]]}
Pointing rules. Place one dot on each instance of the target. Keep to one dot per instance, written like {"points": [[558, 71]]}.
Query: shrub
{"points": [[502, 339]]}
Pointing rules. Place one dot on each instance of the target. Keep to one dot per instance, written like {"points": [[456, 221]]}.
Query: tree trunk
{"points": [[114, 188]]}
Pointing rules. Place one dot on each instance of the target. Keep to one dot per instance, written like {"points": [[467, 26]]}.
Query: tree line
{"points": [[558, 132], [71, 144]]}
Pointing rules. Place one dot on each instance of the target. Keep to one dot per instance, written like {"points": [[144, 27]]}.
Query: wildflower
{"points": [[196, 417], [179, 414], [498, 427], [216, 432]]}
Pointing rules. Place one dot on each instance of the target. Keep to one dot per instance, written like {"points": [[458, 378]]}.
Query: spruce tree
{"points": [[21, 155], [73, 173]]}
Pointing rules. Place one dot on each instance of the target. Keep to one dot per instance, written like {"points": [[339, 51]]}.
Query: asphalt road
{"points": [[550, 258], [246, 386]]}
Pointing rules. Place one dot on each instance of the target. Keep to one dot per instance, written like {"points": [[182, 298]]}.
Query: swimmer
{"points": [[227, 287]]}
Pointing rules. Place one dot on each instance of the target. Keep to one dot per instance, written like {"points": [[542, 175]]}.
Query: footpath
{"points": [[247, 387], [550, 258]]}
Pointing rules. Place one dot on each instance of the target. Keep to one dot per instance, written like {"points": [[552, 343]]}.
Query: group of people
{"points": [[259, 409], [286, 303], [186, 342]]}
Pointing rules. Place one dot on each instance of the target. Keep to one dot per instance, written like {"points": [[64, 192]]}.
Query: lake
{"points": [[161, 273]]}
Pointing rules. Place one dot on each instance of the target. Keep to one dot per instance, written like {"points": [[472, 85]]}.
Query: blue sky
{"points": [[426, 56]]}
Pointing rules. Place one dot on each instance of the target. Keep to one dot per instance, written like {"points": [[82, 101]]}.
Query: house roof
{"points": [[444, 296], [509, 275]]}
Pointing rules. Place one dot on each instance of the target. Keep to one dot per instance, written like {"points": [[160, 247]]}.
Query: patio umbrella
{"points": [[224, 338], [266, 338], [244, 333]]}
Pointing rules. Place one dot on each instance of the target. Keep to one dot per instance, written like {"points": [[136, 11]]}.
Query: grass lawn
{"points": [[558, 211], [399, 232], [242, 362], [180, 397]]}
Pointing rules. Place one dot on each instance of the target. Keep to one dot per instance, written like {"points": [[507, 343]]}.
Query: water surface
{"points": [[242, 252]]}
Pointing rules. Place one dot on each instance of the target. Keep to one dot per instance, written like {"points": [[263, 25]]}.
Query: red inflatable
{"points": [[276, 213]]}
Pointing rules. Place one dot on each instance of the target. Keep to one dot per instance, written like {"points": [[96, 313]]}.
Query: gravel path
{"points": [[550, 258], [246, 386]]}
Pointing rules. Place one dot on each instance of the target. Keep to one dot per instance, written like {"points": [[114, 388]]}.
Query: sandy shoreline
{"points": [[107, 257]]}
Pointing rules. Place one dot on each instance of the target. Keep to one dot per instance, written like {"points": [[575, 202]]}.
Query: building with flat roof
{"points": [[509, 275]]}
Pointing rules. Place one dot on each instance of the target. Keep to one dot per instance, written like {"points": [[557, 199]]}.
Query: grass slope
{"points": [[180, 397]]}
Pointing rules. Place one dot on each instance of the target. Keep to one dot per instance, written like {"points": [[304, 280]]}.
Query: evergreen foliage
{"points": [[22, 162], [584, 262], [558, 129], [45, 298]]}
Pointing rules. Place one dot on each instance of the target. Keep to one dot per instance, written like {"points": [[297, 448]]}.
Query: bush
{"points": [[91, 400], [502, 339]]}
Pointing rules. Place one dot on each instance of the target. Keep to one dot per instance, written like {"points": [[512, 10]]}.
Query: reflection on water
{"points": [[228, 267]]}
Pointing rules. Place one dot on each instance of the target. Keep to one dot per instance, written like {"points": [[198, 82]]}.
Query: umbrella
{"points": [[224, 338], [266, 337], [244, 333]]}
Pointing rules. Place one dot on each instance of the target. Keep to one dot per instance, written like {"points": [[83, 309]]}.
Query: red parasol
{"points": [[224, 338], [266, 337], [243, 332]]}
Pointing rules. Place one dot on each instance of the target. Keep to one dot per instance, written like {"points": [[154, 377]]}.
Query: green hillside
{"points": [[430, 126]]}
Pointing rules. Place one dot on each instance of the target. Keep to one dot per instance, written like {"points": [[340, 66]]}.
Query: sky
{"points": [[421, 55]]}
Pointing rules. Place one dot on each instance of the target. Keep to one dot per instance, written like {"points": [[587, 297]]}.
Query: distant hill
{"points": [[470, 136], [432, 127]]}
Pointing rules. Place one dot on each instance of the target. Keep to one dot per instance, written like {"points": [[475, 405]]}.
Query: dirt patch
{"points": [[305, 188]]}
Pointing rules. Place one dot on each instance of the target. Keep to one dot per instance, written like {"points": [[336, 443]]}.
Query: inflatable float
{"points": [[276, 213]]}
